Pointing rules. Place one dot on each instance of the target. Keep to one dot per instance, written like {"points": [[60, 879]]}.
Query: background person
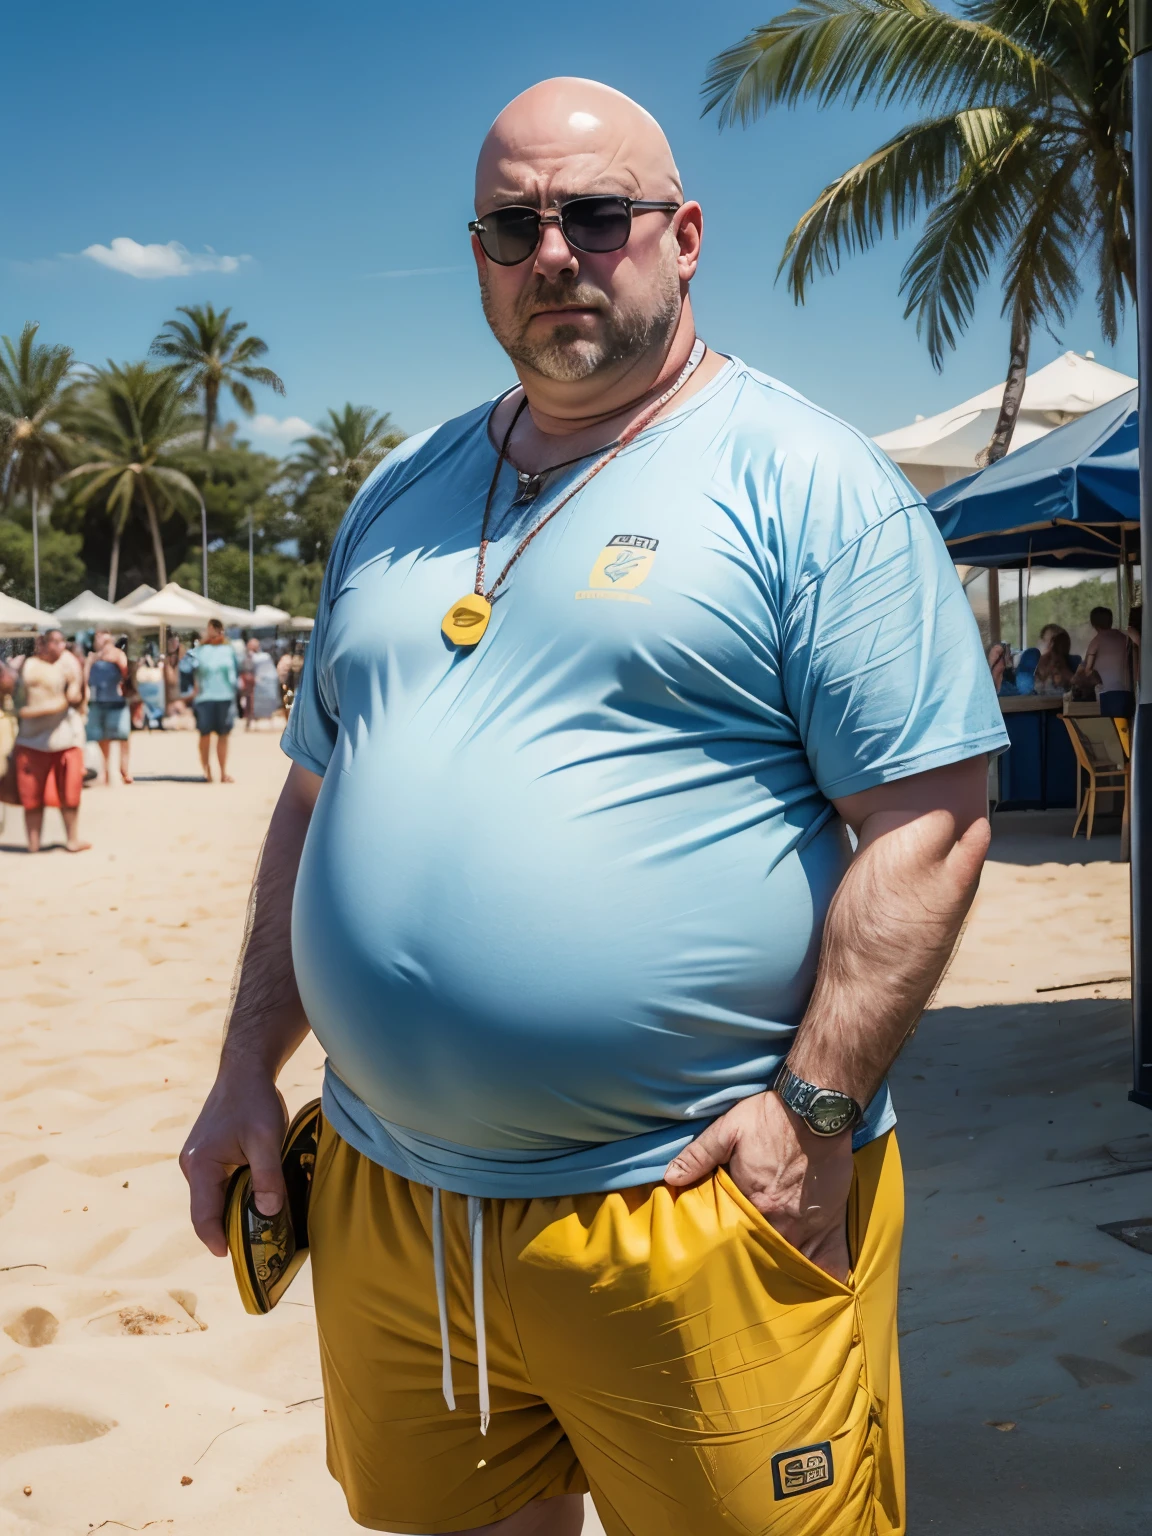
{"points": [[214, 696], [109, 716], [49, 742], [1107, 658], [262, 684], [1054, 670]]}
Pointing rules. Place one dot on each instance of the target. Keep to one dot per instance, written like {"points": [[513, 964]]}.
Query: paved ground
{"points": [[1027, 1332]]}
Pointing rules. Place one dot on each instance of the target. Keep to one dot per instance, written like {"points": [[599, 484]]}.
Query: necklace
{"points": [[467, 619]]}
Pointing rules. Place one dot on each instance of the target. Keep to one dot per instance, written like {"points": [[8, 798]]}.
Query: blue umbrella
{"points": [[1069, 499]]}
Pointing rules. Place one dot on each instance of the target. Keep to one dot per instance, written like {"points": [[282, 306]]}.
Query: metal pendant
{"points": [[529, 486], [466, 620]]}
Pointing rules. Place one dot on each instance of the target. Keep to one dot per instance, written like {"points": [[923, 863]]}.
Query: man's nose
{"points": [[554, 255]]}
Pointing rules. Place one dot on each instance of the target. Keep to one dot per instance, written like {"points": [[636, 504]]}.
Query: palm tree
{"points": [[211, 353], [332, 464], [347, 447], [1021, 158], [132, 421], [34, 398]]}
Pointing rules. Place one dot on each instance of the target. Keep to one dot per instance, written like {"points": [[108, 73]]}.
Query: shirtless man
{"points": [[49, 741], [607, 1194]]}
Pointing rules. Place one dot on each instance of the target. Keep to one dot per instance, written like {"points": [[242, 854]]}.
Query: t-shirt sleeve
{"points": [[883, 665]]}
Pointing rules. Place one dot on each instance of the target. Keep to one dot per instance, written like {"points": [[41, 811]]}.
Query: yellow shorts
{"points": [[671, 1352]]}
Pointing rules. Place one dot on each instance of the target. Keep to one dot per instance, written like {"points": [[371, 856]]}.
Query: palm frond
{"points": [[894, 185], [887, 51]]}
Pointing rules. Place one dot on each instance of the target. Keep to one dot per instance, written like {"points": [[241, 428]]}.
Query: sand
{"points": [[127, 1366]]}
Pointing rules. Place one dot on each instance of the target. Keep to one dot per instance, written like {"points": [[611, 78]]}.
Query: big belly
{"points": [[492, 970]]}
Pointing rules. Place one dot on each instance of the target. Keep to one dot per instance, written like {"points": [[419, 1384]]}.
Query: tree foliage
{"points": [[330, 468], [209, 352], [1020, 159]]}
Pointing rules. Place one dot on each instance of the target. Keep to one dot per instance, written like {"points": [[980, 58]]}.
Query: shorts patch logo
{"points": [[802, 1471], [621, 566]]}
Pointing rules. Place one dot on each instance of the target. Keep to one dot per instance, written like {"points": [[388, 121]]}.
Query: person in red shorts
{"points": [[50, 737]]}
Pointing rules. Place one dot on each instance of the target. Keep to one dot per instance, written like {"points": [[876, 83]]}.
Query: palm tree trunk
{"points": [[1013, 393], [154, 530], [35, 546], [210, 398], [114, 566]]}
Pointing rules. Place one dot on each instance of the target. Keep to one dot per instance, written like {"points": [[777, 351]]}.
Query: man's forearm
{"points": [[890, 931], [266, 1020]]}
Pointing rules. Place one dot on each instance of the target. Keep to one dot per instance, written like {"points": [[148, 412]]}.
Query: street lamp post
{"points": [[1140, 23], [251, 569], [203, 547]]}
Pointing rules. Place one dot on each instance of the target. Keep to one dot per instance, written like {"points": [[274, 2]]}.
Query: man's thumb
{"points": [[712, 1147], [267, 1180]]}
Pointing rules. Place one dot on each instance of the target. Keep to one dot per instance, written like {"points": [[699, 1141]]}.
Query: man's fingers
{"points": [[712, 1147], [207, 1181]]}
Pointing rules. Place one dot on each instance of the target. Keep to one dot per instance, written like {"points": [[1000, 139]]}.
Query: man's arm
{"points": [[890, 930], [244, 1118]]}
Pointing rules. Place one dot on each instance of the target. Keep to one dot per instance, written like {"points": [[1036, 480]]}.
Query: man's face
{"points": [[569, 314], [52, 646]]}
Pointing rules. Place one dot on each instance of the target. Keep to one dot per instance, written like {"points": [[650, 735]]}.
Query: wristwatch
{"points": [[824, 1111]]}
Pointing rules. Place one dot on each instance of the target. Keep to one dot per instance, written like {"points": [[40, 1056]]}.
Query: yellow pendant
{"points": [[467, 619]]}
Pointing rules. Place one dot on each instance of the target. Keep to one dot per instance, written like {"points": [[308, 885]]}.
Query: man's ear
{"points": [[480, 259]]}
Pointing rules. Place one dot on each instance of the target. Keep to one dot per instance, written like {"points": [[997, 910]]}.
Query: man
{"points": [[49, 739], [1108, 657], [214, 696], [109, 718], [570, 882]]}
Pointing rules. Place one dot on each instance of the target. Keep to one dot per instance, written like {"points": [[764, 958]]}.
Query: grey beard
{"points": [[567, 355]]}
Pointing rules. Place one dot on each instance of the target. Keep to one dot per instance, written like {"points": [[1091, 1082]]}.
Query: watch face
{"points": [[830, 1112]]}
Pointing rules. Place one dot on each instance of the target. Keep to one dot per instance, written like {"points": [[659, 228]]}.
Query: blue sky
{"points": [[322, 148]]}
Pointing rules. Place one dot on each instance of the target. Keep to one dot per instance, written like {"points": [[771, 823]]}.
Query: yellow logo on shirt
{"points": [[621, 566]]}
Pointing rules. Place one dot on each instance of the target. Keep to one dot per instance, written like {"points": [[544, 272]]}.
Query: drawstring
{"points": [[442, 1301], [476, 1238], [476, 1232]]}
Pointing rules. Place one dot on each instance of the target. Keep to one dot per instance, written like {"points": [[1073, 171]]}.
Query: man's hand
{"points": [[797, 1180], [243, 1121]]}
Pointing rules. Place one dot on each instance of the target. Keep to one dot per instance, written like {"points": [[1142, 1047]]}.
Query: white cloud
{"points": [[283, 430], [171, 260]]}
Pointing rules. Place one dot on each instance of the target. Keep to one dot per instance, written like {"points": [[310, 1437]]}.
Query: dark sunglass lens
{"points": [[510, 235], [597, 223]]}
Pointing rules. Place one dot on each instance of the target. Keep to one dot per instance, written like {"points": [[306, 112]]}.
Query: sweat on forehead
{"points": [[567, 136]]}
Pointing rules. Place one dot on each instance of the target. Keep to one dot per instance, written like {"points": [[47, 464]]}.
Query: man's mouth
{"points": [[562, 311]]}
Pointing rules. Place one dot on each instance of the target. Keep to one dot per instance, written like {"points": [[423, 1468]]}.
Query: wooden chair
{"points": [[1100, 754]]}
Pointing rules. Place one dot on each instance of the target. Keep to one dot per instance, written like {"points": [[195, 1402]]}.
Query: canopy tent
{"points": [[17, 618], [179, 608], [88, 611], [265, 616], [301, 624], [1070, 499], [937, 450], [136, 596]]}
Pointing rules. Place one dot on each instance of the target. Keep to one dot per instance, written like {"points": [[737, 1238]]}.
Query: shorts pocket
{"points": [[786, 1256]]}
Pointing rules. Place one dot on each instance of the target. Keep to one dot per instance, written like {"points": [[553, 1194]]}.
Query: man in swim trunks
{"points": [[600, 677]]}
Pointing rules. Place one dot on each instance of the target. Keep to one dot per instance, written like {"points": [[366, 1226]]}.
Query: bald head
{"points": [[568, 136]]}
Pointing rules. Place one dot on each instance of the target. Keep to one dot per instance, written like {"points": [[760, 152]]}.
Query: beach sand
{"points": [[127, 1365]]}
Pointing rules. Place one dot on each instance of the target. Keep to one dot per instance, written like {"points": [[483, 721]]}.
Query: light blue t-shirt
{"points": [[561, 899], [216, 672]]}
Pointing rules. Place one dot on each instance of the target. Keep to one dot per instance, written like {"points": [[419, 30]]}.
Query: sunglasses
{"points": [[593, 224]]}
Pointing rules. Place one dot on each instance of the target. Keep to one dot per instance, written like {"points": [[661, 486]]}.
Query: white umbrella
{"points": [[136, 596], [176, 605], [265, 616], [168, 607], [88, 611], [936, 450], [17, 618], [301, 623]]}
